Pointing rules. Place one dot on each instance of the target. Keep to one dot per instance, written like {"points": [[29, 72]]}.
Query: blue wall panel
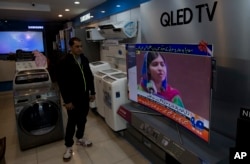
{"points": [[110, 9]]}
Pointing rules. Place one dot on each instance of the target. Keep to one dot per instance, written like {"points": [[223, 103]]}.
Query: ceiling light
{"points": [[77, 2], [118, 5], [67, 9], [103, 11], [60, 15]]}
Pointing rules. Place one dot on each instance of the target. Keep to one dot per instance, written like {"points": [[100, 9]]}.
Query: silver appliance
{"points": [[37, 108], [38, 116]]}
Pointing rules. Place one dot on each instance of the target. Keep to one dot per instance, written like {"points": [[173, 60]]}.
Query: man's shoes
{"points": [[68, 153], [84, 142]]}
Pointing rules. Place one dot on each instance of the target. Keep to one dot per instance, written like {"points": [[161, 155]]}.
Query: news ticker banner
{"points": [[181, 115], [201, 49]]}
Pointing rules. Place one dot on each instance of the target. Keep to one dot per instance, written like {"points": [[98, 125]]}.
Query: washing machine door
{"points": [[39, 117]]}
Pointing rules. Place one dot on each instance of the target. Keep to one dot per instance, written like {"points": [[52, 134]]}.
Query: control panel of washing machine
{"points": [[31, 79], [31, 76], [32, 95]]}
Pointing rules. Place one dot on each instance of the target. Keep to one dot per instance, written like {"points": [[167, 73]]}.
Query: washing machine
{"points": [[99, 65], [115, 94], [25, 65], [38, 116], [31, 78], [96, 66], [99, 89]]}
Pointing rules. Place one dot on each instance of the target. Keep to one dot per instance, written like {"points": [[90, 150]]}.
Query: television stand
{"points": [[159, 135]]}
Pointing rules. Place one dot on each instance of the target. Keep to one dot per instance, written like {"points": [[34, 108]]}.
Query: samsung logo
{"points": [[85, 17], [35, 27]]}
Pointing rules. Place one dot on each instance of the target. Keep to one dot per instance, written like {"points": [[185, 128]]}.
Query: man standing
{"points": [[76, 83]]}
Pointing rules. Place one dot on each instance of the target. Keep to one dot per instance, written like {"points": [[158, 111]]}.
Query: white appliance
{"points": [[115, 94], [99, 65], [119, 30], [93, 34], [28, 65], [99, 89], [120, 57], [96, 66]]}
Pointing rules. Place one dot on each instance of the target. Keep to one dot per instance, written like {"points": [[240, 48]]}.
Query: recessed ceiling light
{"points": [[60, 15], [77, 2], [118, 5], [67, 9], [103, 11]]}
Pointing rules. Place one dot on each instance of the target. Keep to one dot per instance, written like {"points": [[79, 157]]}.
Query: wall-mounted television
{"points": [[174, 80], [10, 41]]}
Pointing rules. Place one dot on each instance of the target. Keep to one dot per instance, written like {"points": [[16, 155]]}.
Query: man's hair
{"points": [[72, 40]]}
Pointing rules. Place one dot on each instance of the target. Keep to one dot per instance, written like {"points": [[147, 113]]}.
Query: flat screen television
{"points": [[10, 41], [174, 80]]}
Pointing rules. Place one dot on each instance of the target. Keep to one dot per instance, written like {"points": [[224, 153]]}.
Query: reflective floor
{"points": [[108, 146]]}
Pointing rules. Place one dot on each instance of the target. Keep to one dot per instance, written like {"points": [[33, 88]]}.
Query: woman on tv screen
{"points": [[154, 78]]}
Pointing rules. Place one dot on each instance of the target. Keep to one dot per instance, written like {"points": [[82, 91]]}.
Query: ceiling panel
{"points": [[43, 10]]}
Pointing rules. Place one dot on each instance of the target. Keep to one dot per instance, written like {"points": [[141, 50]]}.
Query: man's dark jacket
{"points": [[71, 81]]}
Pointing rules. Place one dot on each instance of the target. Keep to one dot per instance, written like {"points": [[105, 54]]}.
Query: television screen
{"points": [[10, 41], [175, 80]]}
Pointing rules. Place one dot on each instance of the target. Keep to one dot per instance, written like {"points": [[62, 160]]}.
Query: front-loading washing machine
{"points": [[38, 116]]}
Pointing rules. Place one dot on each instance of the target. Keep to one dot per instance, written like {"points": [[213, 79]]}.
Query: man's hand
{"points": [[69, 106], [92, 98]]}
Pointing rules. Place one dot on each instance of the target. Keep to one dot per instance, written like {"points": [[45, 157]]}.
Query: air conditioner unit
{"points": [[93, 34], [119, 30]]}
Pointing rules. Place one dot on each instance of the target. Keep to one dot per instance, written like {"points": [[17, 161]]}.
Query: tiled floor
{"points": [[108, 146]]}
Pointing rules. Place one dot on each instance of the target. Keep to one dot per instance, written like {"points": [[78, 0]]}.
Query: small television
{"points": [[187, 79], [28, 41]]}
